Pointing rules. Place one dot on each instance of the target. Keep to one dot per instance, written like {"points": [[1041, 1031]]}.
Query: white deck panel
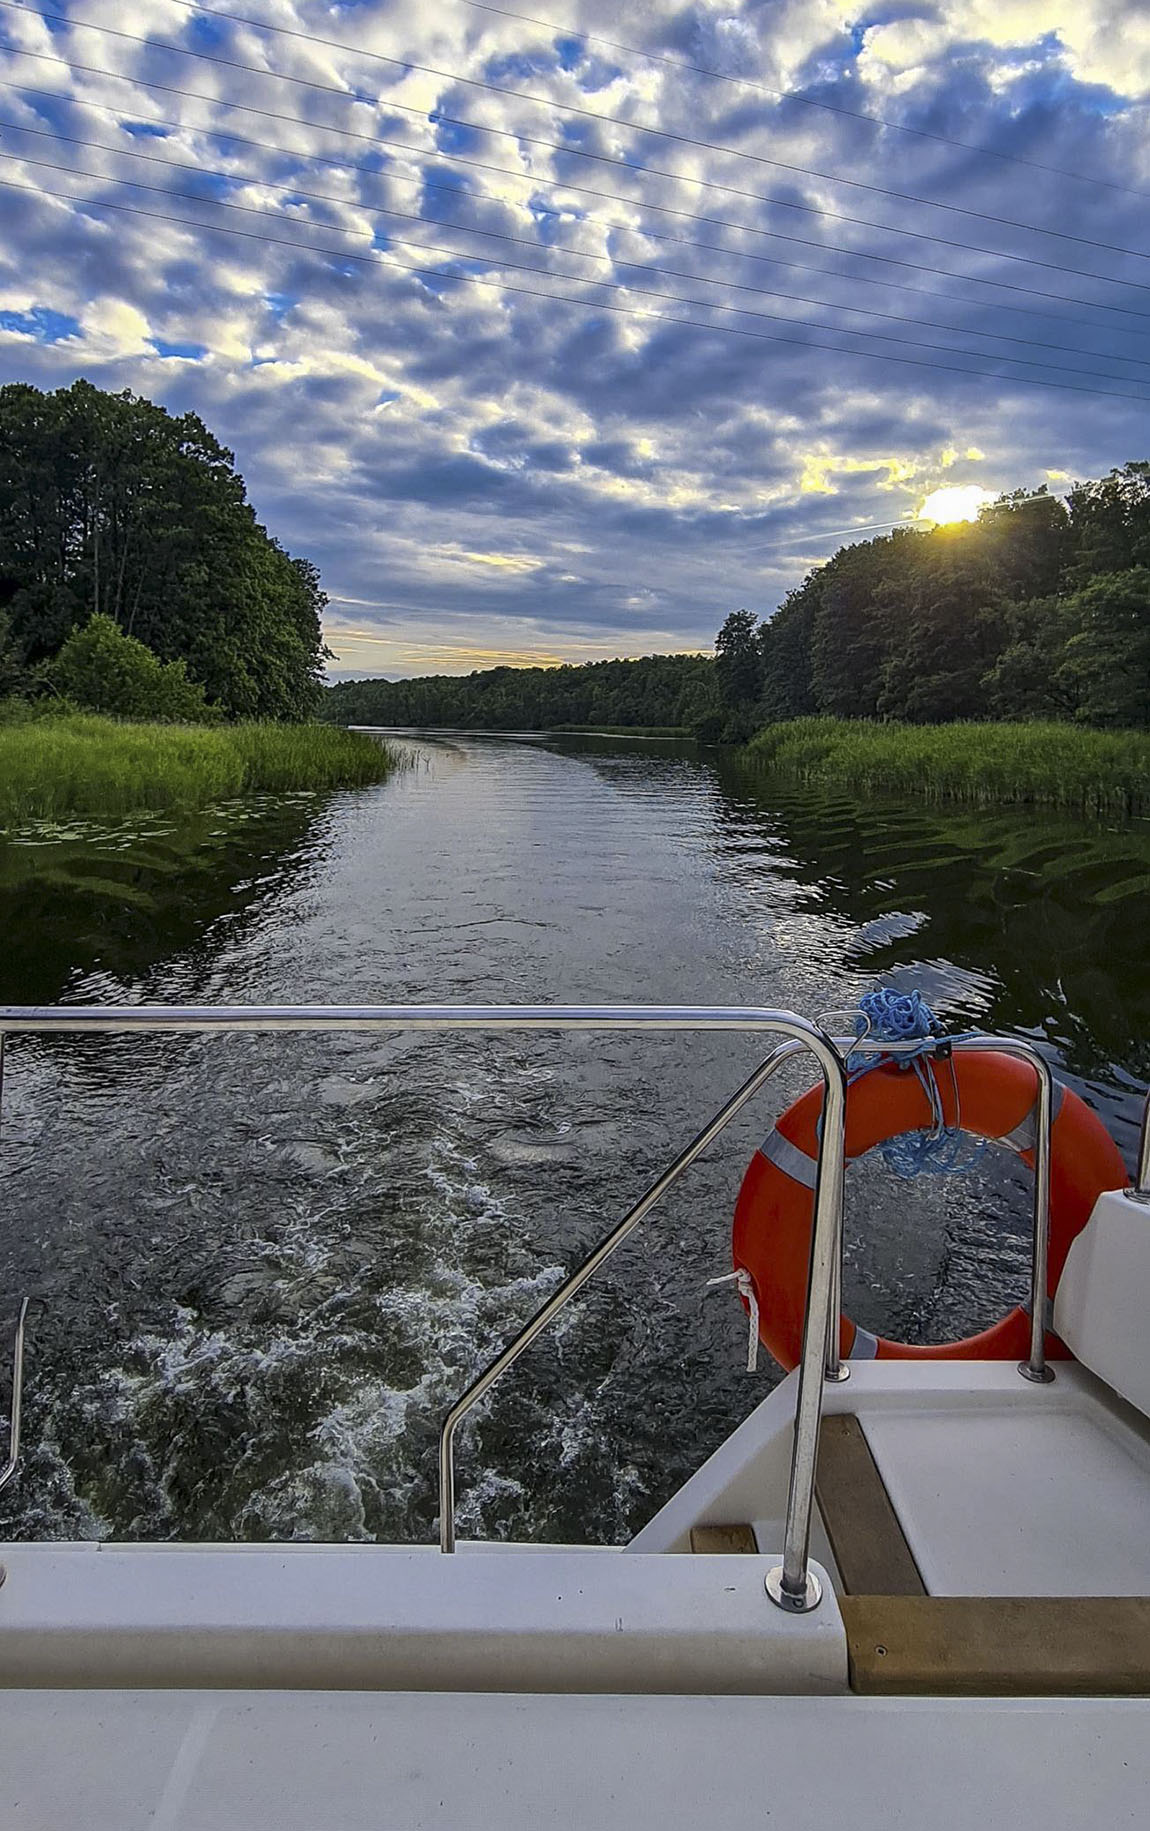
{"points": [[354, 1761], [1018, 1500]]}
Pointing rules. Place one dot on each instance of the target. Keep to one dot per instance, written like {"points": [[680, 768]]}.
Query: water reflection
{"points": [[1020, 920], [93, 908]]}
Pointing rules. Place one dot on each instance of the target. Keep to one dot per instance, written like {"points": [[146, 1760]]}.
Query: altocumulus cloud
{"points": [[389, 288]]}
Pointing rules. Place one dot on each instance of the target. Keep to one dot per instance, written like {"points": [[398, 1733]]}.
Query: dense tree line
{"points": [[659, 691], [112, 508], [1039, 609]]}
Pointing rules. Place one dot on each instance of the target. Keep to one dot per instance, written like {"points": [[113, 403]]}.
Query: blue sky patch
{"points": [[452, 138], [189, 352], [205, 34], [46, 326]]}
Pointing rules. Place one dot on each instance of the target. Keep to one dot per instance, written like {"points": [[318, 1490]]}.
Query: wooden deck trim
{"points": [[712, 1539], [999, 1646], [869, 1544]]}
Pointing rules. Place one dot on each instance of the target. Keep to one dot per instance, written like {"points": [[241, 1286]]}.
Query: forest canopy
{"points": [[112, 508], [1039, 609]]}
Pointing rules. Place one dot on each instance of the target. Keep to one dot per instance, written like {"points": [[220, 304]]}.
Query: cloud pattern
{"points": [[515, 449]]}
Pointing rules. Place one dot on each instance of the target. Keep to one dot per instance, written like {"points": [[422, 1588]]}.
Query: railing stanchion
{"points": [[1141, 1188], [1035, 1368], [836, 1369], [570, 1286], [792, 1584]]}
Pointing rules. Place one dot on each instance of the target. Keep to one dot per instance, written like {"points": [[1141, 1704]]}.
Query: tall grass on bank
{"points": [[1068, 766], [82, 764]]}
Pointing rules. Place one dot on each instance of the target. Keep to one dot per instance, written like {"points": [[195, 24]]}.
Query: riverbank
{"points": [[1051, 765], [682, 733], [83, 764]]}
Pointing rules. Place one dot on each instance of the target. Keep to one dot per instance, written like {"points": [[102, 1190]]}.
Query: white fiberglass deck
{"points": [[1010, 1500], [1001, 1487], [355, 1761]]}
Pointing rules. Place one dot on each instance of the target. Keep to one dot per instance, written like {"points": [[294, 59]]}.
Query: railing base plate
{"points": [[782, 1598]]}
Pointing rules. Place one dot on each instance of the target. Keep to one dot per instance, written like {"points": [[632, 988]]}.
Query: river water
{"points": [[264, 1266]]}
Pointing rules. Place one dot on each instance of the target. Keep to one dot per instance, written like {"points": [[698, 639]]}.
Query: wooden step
{"points": [[999, 1646], [869, 1545], [712, 1539]]}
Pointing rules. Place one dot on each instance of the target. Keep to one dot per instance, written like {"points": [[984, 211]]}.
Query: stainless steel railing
{"points": [[82, 1020], [793, 1579], [1141, 1188], [792, 1584], [12, 1461]]}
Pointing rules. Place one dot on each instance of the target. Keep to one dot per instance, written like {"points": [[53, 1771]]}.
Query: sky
{"points": [[560, 338]]}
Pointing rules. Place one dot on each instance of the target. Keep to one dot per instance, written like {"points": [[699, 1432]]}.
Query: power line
{"points": [[682, 241], [504, 286], [609, 120], [814, 536], [796, 95], [327, 197], [653, 292], [722, 222], [438, 116]]}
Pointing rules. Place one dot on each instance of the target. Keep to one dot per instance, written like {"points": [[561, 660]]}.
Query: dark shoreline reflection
{"points": [[1046, 912], [1051, 909], [88, 905]]}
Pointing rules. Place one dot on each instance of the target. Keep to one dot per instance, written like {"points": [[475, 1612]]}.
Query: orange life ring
{"points": [[996, 1095]]}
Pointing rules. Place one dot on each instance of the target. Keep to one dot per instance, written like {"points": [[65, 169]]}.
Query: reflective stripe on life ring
{"points": [[986, 1094]]}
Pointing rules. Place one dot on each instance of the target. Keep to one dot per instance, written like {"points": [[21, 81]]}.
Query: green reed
{"points": [[81, 764], [1054, 765]]}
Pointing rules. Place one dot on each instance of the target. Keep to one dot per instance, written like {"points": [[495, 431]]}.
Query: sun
{"points": [[959, 502]]}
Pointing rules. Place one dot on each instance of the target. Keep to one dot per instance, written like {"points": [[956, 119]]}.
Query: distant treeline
{"points": [[1038, 610], [660, 690]]}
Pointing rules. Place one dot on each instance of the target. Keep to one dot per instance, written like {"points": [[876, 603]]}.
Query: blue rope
{"points": [[943, 1149]]}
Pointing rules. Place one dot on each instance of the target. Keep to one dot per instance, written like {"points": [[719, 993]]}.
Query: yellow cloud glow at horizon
{"points": [[361, 648]]}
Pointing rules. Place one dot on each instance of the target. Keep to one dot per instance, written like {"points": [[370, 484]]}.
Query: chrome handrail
{"points": [[80, 1020], [792, 1585], [559, 1298], [13, 1461], [1141, 1188]]}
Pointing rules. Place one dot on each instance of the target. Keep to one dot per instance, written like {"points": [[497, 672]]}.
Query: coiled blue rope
{"points": [[900, 1017]]}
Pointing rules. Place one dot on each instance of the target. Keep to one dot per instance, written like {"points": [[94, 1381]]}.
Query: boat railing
{"points": [[1141, 1185], [792, 1584]]}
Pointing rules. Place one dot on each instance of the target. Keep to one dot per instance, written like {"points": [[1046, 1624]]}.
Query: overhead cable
{"points": [[503, 286], [653, 171], [445, 157], [613, 262]]}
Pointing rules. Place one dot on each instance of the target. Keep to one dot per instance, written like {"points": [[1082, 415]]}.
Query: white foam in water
{"points": [[362, 1462]]}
